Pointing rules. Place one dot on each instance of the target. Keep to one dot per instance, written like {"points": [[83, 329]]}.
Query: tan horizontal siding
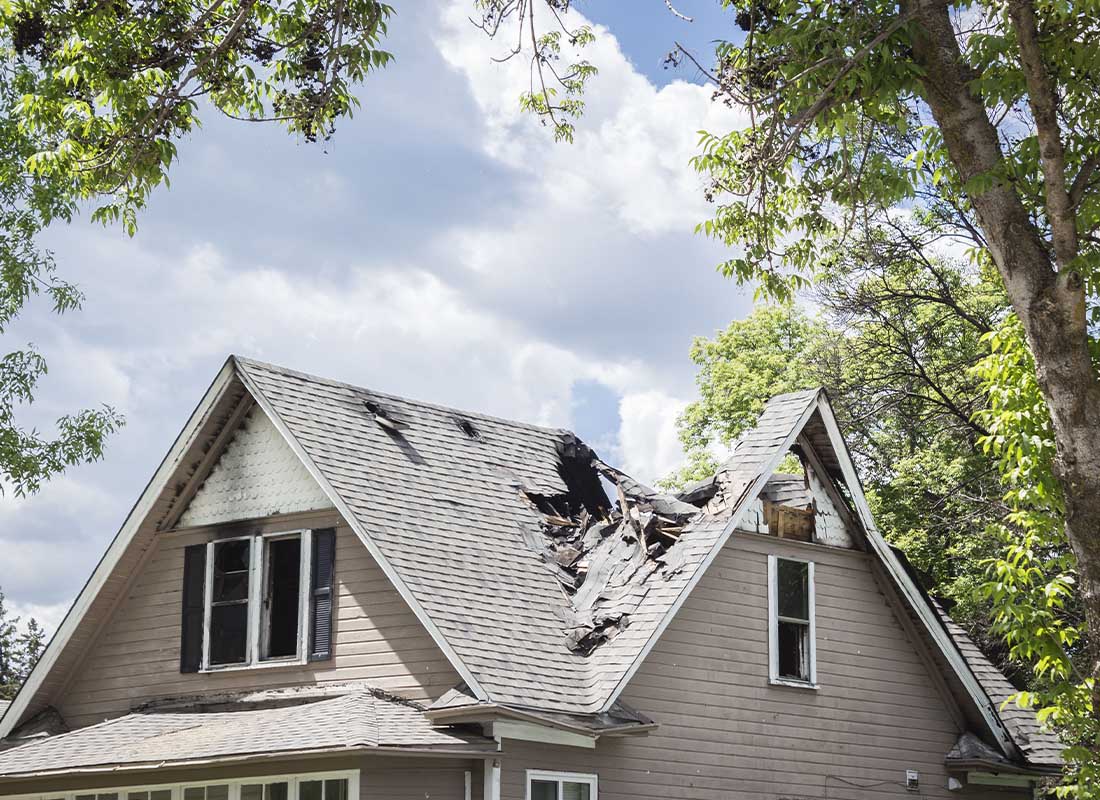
{"points": [[725, 732], [135, 656]]}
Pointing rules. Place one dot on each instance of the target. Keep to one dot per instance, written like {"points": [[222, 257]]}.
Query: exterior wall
{"points": [[727, 733], [135, 656], [382, 777], [258, 475]]}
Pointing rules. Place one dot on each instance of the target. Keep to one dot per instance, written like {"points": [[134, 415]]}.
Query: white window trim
{"points": [[256, 583], [773, 625], [235, 784], [560, 777]]}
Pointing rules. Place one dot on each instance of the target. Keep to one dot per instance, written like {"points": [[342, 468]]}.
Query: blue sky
{"points": [[441, 246]]}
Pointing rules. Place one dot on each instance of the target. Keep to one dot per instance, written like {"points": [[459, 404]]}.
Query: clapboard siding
{"points": [[725, 732], [135, 656]]}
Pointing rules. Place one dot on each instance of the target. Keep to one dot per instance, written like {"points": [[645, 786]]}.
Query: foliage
{"points": [[774, 350], [1032, 585], [894, 340], [93, 99], [19, 651], [555, 91], [27, 204]]}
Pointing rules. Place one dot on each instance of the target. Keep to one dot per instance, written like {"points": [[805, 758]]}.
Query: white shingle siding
{"points": [[829, 527], [258, 475]]}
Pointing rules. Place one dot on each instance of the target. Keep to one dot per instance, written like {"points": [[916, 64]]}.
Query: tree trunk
{"points": [[1050, 304]]}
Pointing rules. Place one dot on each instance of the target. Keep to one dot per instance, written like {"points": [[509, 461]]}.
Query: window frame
{"points": [[292, 779], [774, 677], [562, 777], [255, 639]]}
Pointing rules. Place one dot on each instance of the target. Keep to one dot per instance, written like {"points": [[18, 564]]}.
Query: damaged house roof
{"points": [[543, 591]]}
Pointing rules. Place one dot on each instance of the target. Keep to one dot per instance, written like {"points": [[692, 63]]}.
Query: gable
{"points": [[257, 475], [135, 657], [413, 645], [706, 682]]}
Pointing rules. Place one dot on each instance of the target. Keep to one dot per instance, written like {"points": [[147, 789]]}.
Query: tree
{"points": [[19, 651], [984, 112], [94, 97], [895, 341]]}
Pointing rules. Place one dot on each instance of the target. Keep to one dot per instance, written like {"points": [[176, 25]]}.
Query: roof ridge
{"points": [[246, 362]]}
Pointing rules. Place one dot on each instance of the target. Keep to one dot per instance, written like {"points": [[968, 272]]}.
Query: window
{"points": [[311, 786], [791, 626], [256, 603], [560, 786]]}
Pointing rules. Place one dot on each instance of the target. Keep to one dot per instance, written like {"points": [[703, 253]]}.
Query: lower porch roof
{"points": [[359, 721]]}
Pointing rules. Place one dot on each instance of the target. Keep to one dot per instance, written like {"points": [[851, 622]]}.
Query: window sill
{"points": [[298, 662], [792, 683]]}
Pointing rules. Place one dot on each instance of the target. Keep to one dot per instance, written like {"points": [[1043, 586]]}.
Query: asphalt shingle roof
{"points": [[353, 721], [447, 512], [1037, 745]]}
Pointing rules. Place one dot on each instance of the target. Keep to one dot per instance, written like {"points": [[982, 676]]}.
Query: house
{"points": [[327, 593]]}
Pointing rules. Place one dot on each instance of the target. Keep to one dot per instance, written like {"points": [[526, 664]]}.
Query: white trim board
{"points": [[118, 547], [909, 590]]}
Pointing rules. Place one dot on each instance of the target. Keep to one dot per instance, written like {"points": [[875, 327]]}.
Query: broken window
{"points": [[791, 621], [282, 597], [560, 786], [256, 600]]}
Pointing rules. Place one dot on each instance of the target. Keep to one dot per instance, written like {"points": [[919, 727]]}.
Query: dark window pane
{"points": [[218, 792], [275, 791], [310, 790], [282, 597], [232, 556], [793, 641], [336, 790], [544, 790], [228, 631], [252, 791], [194, 793], [137, 796], [161, 794], [231, 571], [794, 593], [576, 791]]}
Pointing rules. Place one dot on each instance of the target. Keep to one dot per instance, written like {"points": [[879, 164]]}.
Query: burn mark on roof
{"points": [[394, 427], [468, 428]]}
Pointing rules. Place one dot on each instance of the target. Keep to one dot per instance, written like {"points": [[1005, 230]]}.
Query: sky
{"points": [[441, 246]]}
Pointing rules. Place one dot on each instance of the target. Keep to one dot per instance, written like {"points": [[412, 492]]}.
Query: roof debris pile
{"points": [[605, 556]]}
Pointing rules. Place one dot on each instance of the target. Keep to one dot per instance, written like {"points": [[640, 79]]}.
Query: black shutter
{"points": [[194, 585], [321, 594]]}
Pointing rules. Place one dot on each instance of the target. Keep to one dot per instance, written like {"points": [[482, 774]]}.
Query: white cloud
{"points": [[634, 141], [581, 267], [648, 441]]}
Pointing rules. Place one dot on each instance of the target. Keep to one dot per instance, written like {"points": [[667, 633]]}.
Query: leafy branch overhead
{"points": [[554, 92], [109, 87], [95, 97]]}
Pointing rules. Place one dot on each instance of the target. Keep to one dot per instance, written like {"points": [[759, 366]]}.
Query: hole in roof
{"points": [[383, 417], [468, 428]]}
